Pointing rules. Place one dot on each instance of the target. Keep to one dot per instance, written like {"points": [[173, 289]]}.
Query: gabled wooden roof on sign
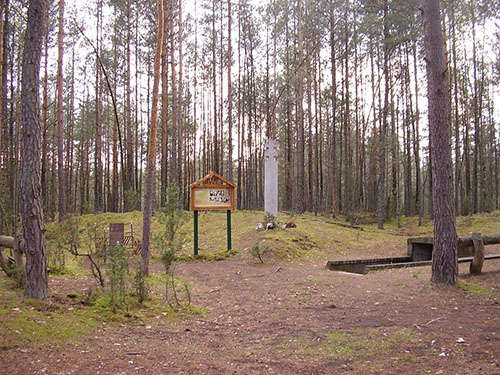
{"points": [[212, 179]]}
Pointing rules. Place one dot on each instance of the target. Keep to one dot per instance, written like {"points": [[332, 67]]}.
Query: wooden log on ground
{"points": [[476, 266]]}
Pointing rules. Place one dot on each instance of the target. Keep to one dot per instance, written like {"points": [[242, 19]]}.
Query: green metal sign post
{"points": [[195, 232], [229, 246]]}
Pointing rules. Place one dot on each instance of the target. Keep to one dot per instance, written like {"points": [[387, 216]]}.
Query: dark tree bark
{"points": [[129, 198], [60, 136], [456, 119], [444, 258], [180, 111], [299, 203], [30, 189], [174, 162], [383, 131], [333, 147], [229, 94], [115, 189], [44, 126], [216, 156], [347, 125], [164, 121], [419, 200], [98, 193], [2, 10]]}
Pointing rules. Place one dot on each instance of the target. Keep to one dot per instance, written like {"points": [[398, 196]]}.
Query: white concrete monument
{"points": [[271, 178]]}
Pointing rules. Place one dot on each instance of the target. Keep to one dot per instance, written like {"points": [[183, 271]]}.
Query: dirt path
{"points": [[297, 319]]}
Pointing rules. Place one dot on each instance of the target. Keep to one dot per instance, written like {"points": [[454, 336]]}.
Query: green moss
{"points": [[70, 317], [207, 256], [476, 289]]}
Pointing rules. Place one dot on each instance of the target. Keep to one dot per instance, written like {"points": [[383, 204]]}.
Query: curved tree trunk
{"points": [[150, 177]]}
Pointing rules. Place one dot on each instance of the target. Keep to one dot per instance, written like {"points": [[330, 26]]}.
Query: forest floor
{"points": [[289, 317]]}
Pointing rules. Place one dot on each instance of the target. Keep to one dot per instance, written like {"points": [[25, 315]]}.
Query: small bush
{"points": [[62, 238]]}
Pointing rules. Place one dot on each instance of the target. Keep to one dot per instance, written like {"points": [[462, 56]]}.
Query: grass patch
{"points": [[359, 344], [476, 289], [486, 223], [314, 235]]}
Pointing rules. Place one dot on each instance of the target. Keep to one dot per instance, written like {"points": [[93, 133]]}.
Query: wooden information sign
{"points": [[212, 192]]}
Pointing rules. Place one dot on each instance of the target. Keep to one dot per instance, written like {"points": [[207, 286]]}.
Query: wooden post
{"points": [[476, 265]]}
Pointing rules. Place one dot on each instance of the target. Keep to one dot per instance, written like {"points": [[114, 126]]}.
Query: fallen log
{"points": [[12, 242]]}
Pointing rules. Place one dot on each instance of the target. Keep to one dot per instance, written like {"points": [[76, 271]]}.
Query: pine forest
{"points": [[339, 84]]}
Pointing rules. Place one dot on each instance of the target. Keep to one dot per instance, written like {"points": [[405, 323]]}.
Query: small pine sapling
{"points": [[141, 283], [170, 241], [258, 251]]}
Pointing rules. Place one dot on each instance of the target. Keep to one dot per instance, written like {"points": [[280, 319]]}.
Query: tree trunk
{"points": [[128, 185], [229, 94], [444, 259], [299, 203], [419, 196], [180, 113], [2, 98], [383, 131], [30, 189], [44, 128], [458, 175], [174, 113], [333, 147], [60, 136], [150, 177], [98, 195], [164, 120], [347, 127], [215, 163]]}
